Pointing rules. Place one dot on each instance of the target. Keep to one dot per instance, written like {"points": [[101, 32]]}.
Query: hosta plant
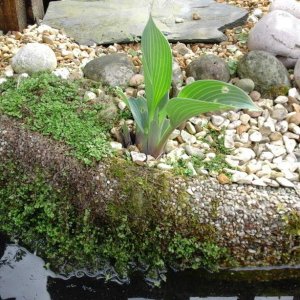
{"points": [[156, 116]]}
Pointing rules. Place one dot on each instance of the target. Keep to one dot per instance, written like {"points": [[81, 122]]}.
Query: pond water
{"points": [[23, 276]]}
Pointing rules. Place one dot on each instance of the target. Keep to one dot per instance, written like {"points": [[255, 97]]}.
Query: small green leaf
{"points": [[218, 92], [157, 63]]}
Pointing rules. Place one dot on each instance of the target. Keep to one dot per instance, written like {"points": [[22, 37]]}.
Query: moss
{"points": [[274, 91], [160, 222], [143, 225], [56, 108], [292, 228]]}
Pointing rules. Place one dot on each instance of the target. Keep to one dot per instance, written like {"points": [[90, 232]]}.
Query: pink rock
{"points": [[278, 34], [290, 6]]}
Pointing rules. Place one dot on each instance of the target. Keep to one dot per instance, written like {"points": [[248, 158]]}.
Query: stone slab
{"points": [[115, 21]]}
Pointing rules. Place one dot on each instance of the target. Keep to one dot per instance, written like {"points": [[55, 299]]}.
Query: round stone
{"points": [[34, 57], [255, 136]]}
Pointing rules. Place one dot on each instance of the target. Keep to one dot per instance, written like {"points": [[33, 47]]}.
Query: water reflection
{"points": [[23, 276]]}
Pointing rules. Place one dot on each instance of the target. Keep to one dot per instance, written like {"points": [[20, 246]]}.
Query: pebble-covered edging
{"points": [[250, 221]]}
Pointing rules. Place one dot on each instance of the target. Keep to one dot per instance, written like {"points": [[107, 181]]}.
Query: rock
{"points": [[257, 12], [182, 49], [255, 95], [188, 138], [223, 178], [279, 113], [284, 182], [294, 128], [209, 66], [242, 177], [266, 155], [275, 136], [138, 158], [174, 134], [190, 128], [281, 100], [189, 80], [295, 118], [253, 166], [293, 92], [217, 120], [194, 151], [277, 33], [297, 73], [123, 21], [63, 73], [276, 149], [116, 145], [282, 126], [243, 154], [34, 57], [177, 76], [290, 144], [229, 142], [113, 70], [255, 136], [291, 6], [89, 96], [246, 85], [170, 146], [109, 112], [267, 72], [136, 80], [245, 118]]}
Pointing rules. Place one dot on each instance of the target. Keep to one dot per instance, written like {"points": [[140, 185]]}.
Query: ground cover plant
{"points": [[156, 115], [57, 108]]}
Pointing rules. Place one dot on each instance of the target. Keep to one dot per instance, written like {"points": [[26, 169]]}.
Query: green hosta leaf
{"points": [[218, 92], [157, 63], [139, 110], [181, 109]]}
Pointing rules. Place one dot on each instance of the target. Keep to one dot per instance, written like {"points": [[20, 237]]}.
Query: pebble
{"points": [[188, 138], [190, 128], [116, 145], [194, 151], [217, 120], [255, 136], [88, 95], [284, 182], [138, 158]]}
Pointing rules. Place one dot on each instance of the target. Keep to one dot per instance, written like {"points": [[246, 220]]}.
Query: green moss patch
{"points": [[142, 226], [56, 108]]}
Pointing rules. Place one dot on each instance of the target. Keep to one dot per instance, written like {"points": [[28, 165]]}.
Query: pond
{"points": [[23, 276]]}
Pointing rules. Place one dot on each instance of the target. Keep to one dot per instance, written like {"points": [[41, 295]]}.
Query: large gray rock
{"points": [[297, 73], [277, 33], [34, 57], [115, 21], [267, 72], [209, 67], [290, 6], [114, 70]]}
